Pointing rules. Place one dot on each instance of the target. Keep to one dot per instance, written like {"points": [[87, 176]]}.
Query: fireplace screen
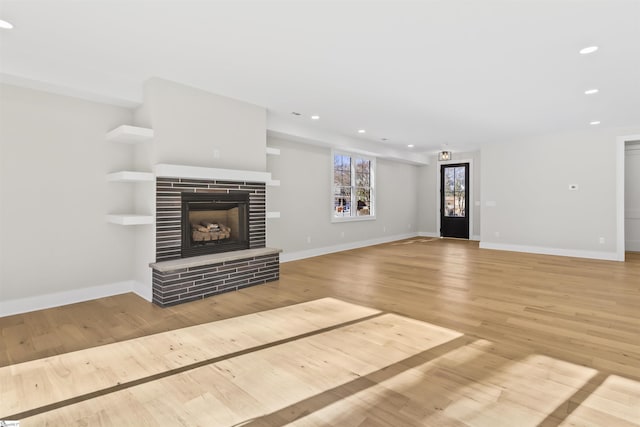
{"points": [[214, 223]]}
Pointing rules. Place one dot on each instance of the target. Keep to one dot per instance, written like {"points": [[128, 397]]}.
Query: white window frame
{"points": [[372, 188]]}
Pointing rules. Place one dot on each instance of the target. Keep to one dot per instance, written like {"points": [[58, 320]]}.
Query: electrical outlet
{"points": [[497, 234], [216, 153], [308, 239], [602, 240], [384, 228], [342, 234]]}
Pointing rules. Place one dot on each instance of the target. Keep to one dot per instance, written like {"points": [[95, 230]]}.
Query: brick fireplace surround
{"points": [[177, 280]]}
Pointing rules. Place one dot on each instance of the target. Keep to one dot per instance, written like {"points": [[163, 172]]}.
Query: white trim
{"points": [[620, 157], [309, 253], [130, 176], [273, 151], [471, 204], [475, 238], [576, 253], [130, 219], [40, 302], [130, 134], [142, 290], [338, 219], [632, 245], [198, 172], [353, 202], [273, 215]]}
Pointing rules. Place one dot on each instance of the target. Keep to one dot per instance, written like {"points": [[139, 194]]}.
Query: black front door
{"points": [[454, 200]]}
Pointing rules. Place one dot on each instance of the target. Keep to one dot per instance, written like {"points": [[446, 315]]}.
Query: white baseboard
{"points": [[142, 290], [40, 302], [632, 245], [309, 253], [475, 238], [428, 234], [576, 253]]}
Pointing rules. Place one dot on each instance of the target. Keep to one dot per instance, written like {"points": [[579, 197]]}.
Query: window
{"points": [[353, 187]]}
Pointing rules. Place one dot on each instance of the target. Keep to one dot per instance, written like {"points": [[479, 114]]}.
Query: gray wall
{"points": [[53, 162], [197, 128], [303, 200], [525, 192]]}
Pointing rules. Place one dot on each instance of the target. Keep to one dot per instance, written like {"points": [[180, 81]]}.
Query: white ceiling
{"points": [[436, 74]]}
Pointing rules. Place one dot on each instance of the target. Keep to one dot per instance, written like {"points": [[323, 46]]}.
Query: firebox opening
{"points": [[213, 223]]}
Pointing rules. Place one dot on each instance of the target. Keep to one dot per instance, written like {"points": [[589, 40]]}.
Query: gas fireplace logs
{"points": [[206, 231]]}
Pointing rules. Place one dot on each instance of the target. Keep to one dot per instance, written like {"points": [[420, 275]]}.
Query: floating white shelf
{"points": [[130, 134], [273, 151], [273, 214], [131, 176], [127, 219]]}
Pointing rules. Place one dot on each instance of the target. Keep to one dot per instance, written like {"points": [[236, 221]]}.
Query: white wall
{"points": [[526, 204], [303, 200], [192, 127], [429, 193], [53, 162]]}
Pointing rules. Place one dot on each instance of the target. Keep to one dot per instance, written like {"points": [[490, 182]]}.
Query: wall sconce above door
{"points": [[444, 155]]}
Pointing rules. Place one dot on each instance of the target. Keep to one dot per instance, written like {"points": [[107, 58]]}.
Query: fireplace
{"points": [[213, 223], [210, 237], [174, 236]]}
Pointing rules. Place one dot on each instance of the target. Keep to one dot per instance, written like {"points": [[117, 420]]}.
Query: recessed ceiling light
{"points": [[384, 139], [588, 50], [295, 113], [595, 122], [315, 117], [410, 145], [361, 131], [5, 25], [591, 91]]}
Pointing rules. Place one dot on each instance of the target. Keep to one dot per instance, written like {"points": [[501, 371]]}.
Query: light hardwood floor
{"points": [[417, 332]]}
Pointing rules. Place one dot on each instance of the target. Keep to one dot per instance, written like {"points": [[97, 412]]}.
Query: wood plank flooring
{"points": [[437, 332]]}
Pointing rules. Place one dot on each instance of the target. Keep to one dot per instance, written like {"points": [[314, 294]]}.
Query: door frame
{"points": [[620, 153], [472, 203]]}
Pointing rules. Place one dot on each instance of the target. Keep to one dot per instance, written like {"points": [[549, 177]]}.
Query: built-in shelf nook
{"points": [[127, 134]]}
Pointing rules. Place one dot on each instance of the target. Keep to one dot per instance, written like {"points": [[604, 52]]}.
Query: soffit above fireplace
{"points": [[198, 172]]}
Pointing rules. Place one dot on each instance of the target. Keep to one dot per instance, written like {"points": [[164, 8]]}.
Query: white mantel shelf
{"points": [[199, 172], [130, 176], [130, 134], [130, 219]]}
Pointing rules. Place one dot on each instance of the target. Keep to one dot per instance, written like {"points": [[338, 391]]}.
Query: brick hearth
{"points": [[189, 279]]}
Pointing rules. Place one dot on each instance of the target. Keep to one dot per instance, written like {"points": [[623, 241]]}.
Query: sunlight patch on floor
{"points": [[263, 382], [465, 386], [616, 402], [34, 384]]}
